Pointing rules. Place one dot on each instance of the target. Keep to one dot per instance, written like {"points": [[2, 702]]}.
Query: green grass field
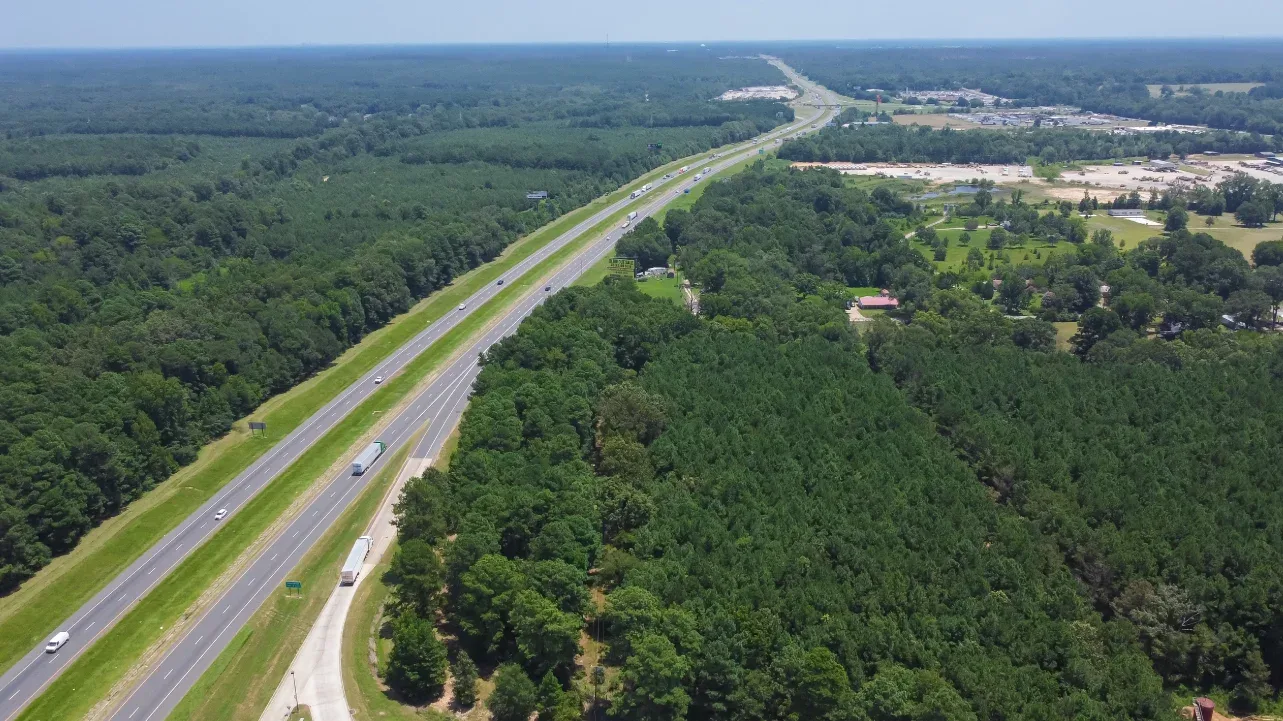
{"points": [[1236, 236], [92, 674], [669, 288]]}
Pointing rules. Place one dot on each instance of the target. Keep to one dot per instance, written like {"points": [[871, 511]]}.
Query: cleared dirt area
{"points": [[934, 120]]}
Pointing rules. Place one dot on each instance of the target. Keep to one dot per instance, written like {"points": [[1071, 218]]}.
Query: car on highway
{"points": [[378, 380], [222, 513], [547, 288], [462, 306], [500, 282], [59, 640]]}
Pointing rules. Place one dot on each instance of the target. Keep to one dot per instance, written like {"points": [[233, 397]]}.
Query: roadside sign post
{"points": [[257, 427], [622, 268], [294, 588]]}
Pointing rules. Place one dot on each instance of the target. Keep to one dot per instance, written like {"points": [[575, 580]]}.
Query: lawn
{"points": [[1034, 252], [1126, 231], [1064, 331], [1236, 236], [669, 288]]}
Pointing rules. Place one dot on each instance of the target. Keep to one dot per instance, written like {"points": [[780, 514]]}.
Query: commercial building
{"points": [[1127, 213]]}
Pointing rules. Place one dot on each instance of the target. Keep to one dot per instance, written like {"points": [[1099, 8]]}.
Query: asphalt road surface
{"points": [[439, 406]]}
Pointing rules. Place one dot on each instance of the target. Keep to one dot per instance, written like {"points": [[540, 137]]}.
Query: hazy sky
{"points": [[184, 23]]}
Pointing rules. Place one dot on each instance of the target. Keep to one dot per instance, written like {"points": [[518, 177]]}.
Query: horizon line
{"points": [[634, 43]]}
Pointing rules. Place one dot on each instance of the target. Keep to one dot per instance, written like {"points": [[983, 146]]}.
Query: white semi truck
{"points": [[367, 457], [355, 559]]}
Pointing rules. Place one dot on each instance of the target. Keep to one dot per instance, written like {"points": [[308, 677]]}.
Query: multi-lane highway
{"points": [[439, 406]]}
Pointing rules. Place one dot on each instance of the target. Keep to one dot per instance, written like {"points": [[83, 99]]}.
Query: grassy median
{"points": [[91, 676], [242, 680]]}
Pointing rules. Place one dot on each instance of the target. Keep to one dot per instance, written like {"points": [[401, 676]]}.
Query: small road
{"points": [[172, 676]]}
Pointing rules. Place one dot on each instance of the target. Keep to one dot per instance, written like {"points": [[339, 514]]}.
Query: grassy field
{"points": [[1126, 231], [669, 288], [242, 680], [956, 253], [1155, 89], [32, 612], [1064, 331], [93, 674], [1234, 235]]}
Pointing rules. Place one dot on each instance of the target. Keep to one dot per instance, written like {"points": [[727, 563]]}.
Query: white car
{"points": [[59, 640], [462, 306], [222, 513], [378, 380]]}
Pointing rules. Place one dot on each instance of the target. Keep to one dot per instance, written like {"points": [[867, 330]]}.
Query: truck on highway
{"points": [[646, 188], [684, 168], [632, 215], [367, 457], [634, 195], [355, 559], [706, 170]]}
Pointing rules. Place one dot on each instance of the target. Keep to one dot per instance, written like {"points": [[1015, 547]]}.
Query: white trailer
{"points": [[367, 457], [355, 559], [632, 215], [646, 188]]}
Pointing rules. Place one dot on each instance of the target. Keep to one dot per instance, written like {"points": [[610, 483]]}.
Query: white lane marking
{"points": [[90, 626], [273, 558], [206, 523], [295, 534], [180, 547], [166, 678], [202, 638], [225, 608], [131, 713], [15, 693], [153, 568]]}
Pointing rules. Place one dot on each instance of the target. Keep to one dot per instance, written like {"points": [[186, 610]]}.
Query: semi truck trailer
{"points": [[367, 457], [355, 559]]}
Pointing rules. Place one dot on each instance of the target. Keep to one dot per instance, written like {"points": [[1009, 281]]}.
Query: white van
{"points": [[59, 640]]}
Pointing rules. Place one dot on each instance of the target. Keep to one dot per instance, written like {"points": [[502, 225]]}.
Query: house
{"points": [[537, 195], [881, 301], [1126, 213], [1265, 154]]}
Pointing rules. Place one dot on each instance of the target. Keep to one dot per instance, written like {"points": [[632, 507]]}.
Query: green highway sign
{"points": [[293, 584]]}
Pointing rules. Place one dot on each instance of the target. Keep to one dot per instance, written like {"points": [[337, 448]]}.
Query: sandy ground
{"points": [[1102, 181], [1144, 221], [856, 316]]}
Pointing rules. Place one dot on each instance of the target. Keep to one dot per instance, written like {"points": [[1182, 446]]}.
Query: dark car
{"points": [[500, 282], [547, 288]]}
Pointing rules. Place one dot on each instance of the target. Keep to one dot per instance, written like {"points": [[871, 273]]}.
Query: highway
{"points": [[438, 406]]}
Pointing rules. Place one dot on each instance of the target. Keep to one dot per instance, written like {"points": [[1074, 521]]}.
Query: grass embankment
{"points": [[242, 680], [90, 677], [30, 614]]}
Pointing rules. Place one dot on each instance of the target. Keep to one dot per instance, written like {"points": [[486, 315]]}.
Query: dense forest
{"points": [[1106, 76], [897, 143], [937, 517], [183, 235]]}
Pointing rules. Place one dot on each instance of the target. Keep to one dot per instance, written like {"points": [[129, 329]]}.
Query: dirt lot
{"points": [[933, 120]]}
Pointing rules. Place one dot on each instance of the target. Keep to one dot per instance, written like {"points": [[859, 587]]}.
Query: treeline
{"points": [[27, 160], [1109, 77], [293, 93], [896, 143], [140, 316]]}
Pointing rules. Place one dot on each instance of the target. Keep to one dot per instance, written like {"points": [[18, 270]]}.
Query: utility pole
{"points": [[295, 682]]}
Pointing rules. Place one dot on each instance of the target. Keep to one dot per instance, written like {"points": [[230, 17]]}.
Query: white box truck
{"points": [[646, 188], [706, 170], [632, 215], [634, 195], [355, 559], [684, 168], [367, 457]]}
